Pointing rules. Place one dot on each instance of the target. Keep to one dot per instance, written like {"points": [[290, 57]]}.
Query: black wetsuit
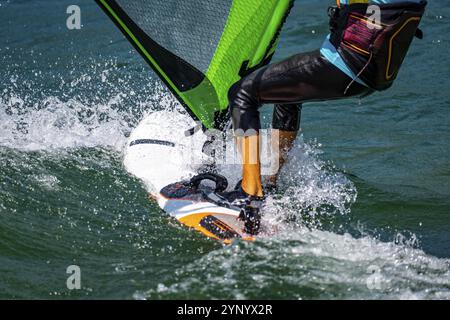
{"points": [[301, 78], [373, 55]]}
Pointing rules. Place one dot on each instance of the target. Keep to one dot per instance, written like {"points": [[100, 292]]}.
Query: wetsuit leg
{"points": [[301, 78], [286, 117]]}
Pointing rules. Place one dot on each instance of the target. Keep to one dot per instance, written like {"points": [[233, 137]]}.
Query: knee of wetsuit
{"points": [[286, 117], [232, 92], [243, 107]]}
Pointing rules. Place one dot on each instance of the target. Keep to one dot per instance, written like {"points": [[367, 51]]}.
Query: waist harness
{"points": [[375, 50]]}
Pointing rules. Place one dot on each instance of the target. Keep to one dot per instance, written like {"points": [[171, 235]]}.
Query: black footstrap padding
{"points": [[220, 181]]}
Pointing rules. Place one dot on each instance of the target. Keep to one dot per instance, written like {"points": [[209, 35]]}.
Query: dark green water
{"points": [[367, 188]]}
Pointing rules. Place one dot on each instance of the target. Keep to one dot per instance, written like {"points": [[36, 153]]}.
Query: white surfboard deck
{"points": [[160, 154]]}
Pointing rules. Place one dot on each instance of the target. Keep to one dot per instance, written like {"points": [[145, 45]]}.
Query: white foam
{"points": [[72, 111], [57, 125], [313, 264]]}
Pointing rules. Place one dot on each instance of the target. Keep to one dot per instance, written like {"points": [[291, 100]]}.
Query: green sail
{"points": [[199, 48]]}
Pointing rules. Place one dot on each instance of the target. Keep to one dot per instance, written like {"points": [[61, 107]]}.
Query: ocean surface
{"points": [[365, 207]]}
